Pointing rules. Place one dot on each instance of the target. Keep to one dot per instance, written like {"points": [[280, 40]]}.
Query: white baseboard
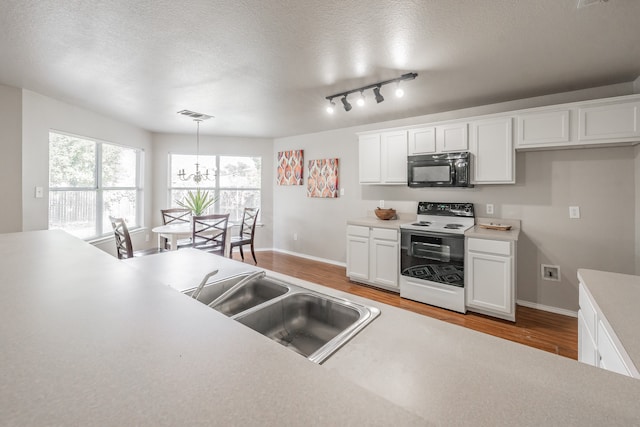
{"points": [[313, 258], [548, 308]]}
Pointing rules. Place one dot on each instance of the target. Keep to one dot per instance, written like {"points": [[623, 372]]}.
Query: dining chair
{"points": [[247, 233], [209, 232], [176, 216], [124, 248]]}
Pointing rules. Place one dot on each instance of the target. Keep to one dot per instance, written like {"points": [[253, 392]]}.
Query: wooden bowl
{"points": [[385, 213]]}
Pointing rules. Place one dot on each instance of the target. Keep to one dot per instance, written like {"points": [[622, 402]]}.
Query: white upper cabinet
{"points": [[492, 150], [452, 137], [422, 141], [394, 157], [616, 121], [439, 139], [542, 128], [383, 158], [369, 154]]}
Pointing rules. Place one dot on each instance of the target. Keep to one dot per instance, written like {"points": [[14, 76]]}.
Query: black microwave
{"points": [[440, 170]]}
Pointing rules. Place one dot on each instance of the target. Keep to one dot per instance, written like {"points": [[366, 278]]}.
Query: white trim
{"points": [[548, 308], [313, 258]]}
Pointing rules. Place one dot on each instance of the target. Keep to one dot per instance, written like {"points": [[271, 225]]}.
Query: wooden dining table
{"points": [[183, 230]]}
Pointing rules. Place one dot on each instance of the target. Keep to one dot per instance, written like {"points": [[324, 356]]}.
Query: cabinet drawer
{"points": [[384, 234], [499, 247], [588, 310], [357, 230]]}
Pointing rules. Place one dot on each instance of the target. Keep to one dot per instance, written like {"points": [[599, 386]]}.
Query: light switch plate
{"points": [[39, 193], [574, 212]]}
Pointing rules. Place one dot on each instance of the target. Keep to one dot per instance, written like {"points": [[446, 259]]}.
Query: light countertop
{"points": [[617, 296], [88, 339], [484, 233]]}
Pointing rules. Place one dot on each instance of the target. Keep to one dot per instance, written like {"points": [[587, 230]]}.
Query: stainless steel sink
{"points": [[311, 324], [213, 290], [248, 295]]}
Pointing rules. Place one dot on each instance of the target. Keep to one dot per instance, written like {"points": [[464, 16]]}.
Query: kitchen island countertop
{"points": [[96, 341]]}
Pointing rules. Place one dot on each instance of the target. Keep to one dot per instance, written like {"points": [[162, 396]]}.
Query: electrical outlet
{"points": [[342, 191], [381, 204], [550, 272], [489, 209], [574, 212], [39, 193], [295, 236]]}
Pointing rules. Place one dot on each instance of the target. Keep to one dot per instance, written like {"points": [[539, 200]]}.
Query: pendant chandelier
{"points": [[197, 176]]}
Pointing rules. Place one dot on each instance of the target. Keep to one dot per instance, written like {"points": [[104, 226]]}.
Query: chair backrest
{"points": [[175, 215], [209, 232], [248, 226], [124, 248]]}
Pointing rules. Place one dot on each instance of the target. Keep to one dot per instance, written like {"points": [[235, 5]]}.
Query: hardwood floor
{"points": [[550, 332]]}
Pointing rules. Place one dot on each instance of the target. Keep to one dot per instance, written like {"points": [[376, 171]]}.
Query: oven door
{"points": [[434, 257]]}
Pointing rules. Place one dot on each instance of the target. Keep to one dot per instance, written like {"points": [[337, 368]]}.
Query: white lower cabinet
{"points": [[373, 256], [598, 344], [490, 277]]}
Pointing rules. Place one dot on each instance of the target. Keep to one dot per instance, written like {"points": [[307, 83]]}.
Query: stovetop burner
{"points": [[453, 226], [422, 223]]}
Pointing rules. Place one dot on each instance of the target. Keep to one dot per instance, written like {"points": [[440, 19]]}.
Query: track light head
{"points": [[376, 92], [331, 107], [360, 100], [347, 106]]}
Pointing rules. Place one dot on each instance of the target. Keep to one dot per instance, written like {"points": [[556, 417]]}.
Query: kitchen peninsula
{"points": [[90, 340]]}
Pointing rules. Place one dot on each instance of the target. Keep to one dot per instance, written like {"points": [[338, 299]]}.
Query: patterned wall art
{"points": [[322, 180], [290, 168]]}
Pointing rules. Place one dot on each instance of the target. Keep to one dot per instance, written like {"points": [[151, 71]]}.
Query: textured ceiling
{"points": [[263, 68]]}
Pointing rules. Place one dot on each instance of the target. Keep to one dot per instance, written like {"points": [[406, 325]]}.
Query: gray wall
{"points": [[548, 182], [11, 159], [163, 144]]}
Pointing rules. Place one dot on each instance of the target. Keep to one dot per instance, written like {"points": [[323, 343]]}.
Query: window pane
{"points": [[118, 166], [234, 202], [240, 172], [121, 204], [73, 211], [72, 161], [187, 162]]}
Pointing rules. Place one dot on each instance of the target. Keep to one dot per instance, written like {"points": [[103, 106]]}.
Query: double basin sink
{"points": [[310, 323]]}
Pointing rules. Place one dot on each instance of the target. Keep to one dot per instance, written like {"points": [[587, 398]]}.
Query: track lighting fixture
{"points": [[346, 104], [376, 92]]}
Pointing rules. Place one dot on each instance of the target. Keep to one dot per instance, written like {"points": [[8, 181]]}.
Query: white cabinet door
{"points": [[422, 141], [384, 262], [452, 137], [358, 257], [543, 128], [394, 157], [610, 357], [490, 283], [493, 152], [587, 352], [607, 122], [369, 155]]}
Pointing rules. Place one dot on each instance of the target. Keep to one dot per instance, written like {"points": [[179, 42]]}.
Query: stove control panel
{"points": [[445, 209]]}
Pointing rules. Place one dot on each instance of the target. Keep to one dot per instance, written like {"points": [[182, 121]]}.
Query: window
{"points": [[235, 180], [90, 180]]}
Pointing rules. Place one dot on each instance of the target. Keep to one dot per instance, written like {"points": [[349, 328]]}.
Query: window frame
{"points": [[99, 189]]}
